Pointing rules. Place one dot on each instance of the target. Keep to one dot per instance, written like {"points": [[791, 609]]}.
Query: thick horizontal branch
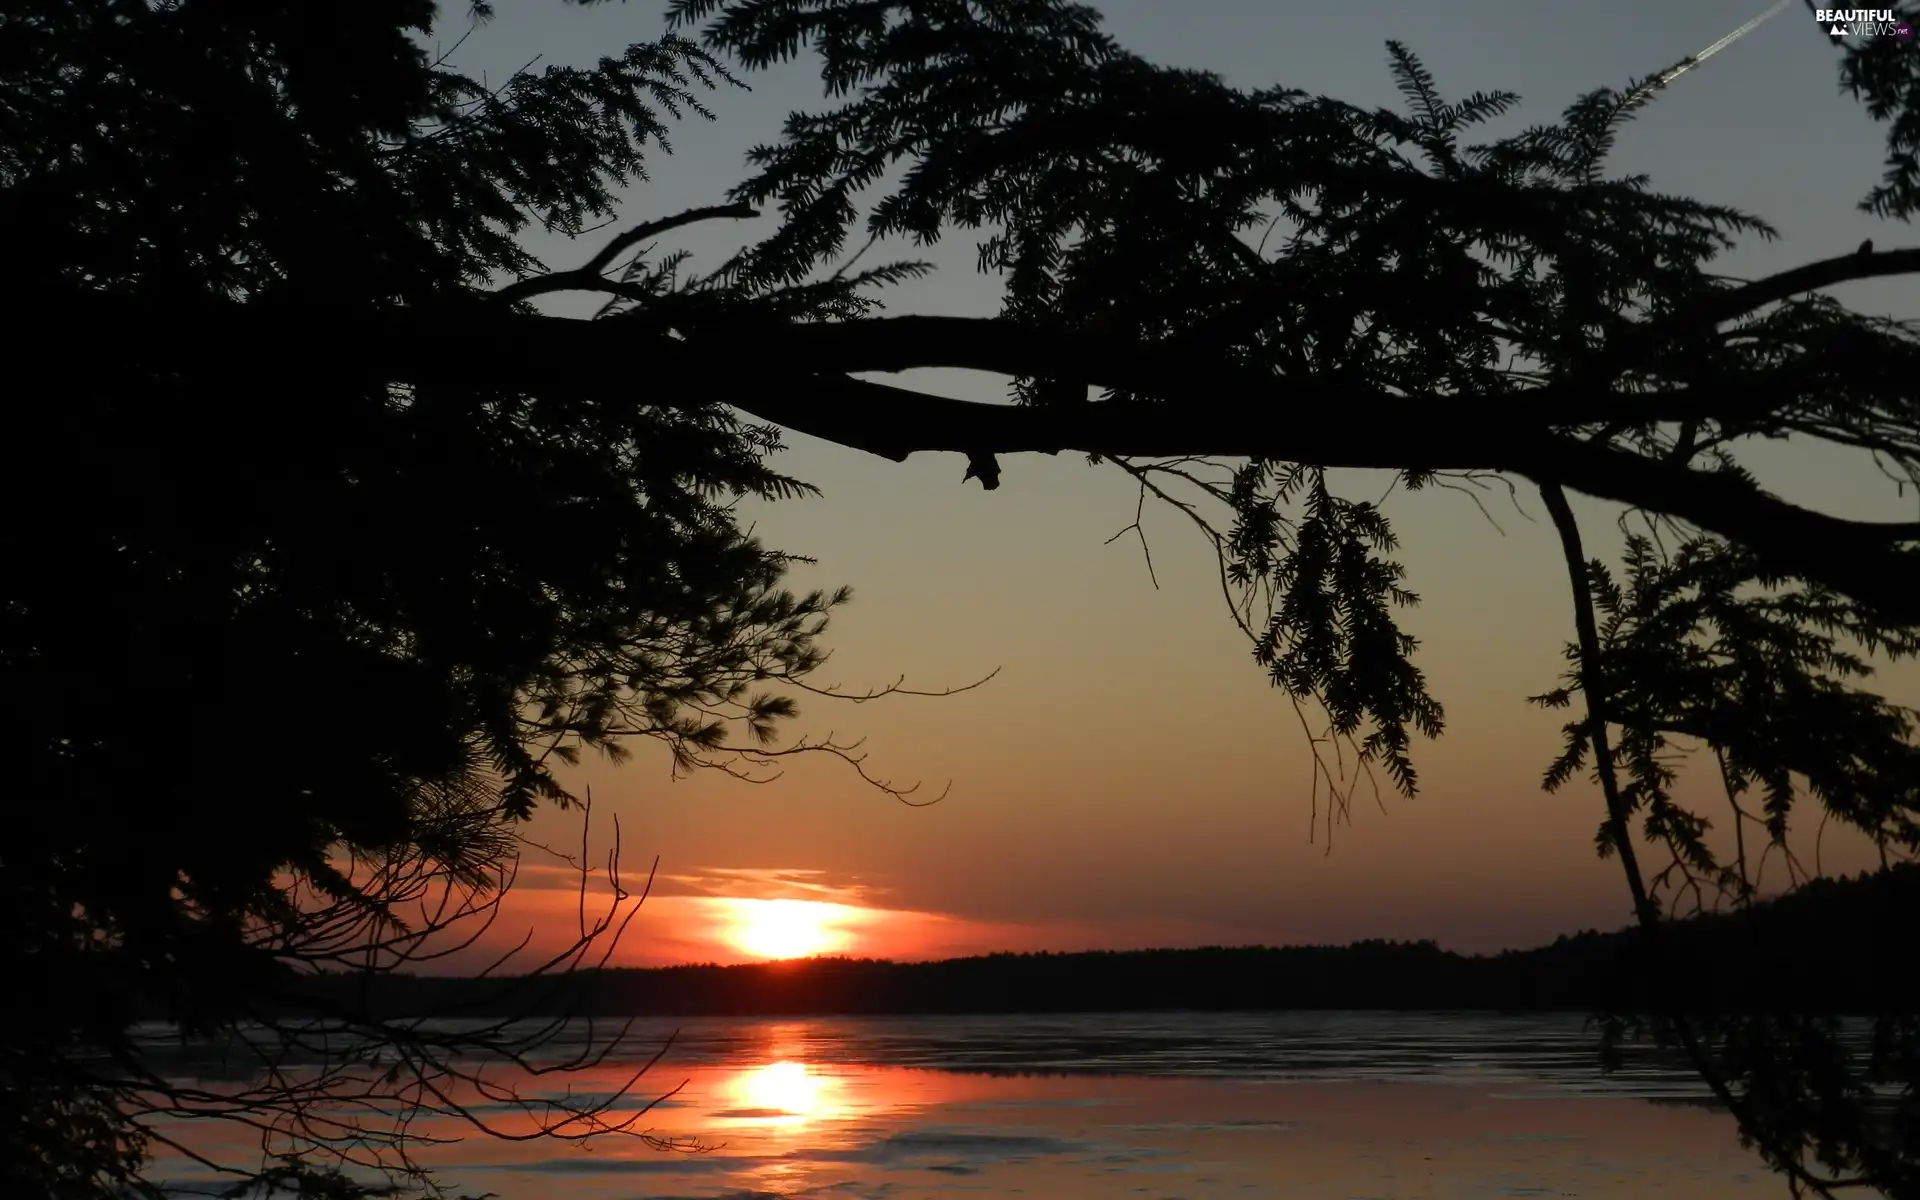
{"points": [[1810, 277], [1201, 388], [1736, 302], [1861, 559], [794, 376], [1198, 386]]}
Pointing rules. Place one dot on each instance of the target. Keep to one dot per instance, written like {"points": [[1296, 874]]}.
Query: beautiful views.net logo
{"points": [[1864, 22]]}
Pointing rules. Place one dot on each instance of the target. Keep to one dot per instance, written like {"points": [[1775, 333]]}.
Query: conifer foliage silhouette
{"points": [[285, 659], [461, 531]]}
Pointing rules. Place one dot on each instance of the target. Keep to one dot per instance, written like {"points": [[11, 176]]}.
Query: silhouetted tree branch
{"points": [[590, 276], [1535, 435]]}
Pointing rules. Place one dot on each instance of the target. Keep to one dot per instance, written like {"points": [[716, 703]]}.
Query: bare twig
{"points": [[590, 275]]}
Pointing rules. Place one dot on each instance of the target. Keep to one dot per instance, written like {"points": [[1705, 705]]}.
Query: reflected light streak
{"points": [[783, 1093]]}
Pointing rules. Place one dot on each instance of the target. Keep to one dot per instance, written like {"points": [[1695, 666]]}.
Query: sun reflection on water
{"points": [[786, 1116], [782, 1093]]}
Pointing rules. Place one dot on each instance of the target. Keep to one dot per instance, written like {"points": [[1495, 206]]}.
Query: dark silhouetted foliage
{"points": [[281, 656], [327, 544]]}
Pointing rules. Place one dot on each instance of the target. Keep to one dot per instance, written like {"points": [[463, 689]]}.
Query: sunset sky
{"points": [[1129, 778]]}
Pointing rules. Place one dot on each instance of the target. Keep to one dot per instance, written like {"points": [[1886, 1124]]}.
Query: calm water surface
{"points": [[1343, 1106]]}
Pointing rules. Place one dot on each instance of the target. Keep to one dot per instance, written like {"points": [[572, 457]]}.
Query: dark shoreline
{"points": [[1834, 946]]}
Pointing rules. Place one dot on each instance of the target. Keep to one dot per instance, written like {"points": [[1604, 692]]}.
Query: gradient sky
{"points": [[1130, 779]]}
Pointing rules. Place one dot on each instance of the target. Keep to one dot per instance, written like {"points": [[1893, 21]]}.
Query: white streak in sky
{"points": [[1689, 63]]}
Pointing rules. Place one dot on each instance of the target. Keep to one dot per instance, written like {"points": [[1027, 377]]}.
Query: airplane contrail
{"points": [[1693, 60]]}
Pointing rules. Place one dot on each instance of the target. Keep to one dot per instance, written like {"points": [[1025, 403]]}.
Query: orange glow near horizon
{"points": [[784, 928]]}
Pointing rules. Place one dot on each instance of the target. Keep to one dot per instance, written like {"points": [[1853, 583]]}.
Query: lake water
{"points": [[1341, 1106]]}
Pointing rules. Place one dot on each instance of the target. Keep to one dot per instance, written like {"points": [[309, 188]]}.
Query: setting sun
{"points": [[784, 928]]}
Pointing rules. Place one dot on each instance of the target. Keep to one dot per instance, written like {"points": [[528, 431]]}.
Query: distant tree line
{"points": [[1827, 947]]}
